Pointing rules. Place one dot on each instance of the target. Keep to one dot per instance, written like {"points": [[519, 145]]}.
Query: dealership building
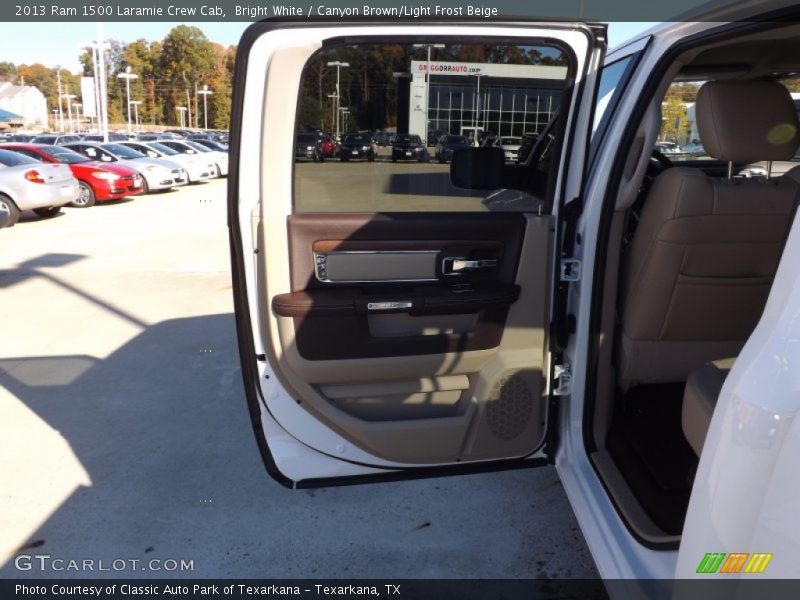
{"points": [[472, 98]]}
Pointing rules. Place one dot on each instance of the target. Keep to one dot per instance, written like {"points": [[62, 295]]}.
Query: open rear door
{"points": [[391, 324]]}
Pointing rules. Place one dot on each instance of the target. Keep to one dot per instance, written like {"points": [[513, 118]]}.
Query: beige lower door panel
{"points": [[433, 408]]}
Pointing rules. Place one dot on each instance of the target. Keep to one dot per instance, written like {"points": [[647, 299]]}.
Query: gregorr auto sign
{"points": [[447, 68], [420, 67]]}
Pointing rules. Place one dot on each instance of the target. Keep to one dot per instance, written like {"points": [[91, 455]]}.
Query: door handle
{"points": [[458, 265]]}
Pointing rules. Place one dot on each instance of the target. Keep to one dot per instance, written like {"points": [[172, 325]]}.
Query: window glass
{"points": [[400, 112], [679, 138]]}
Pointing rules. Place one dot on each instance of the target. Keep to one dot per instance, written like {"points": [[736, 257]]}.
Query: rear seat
{"points": [[699, 399]]}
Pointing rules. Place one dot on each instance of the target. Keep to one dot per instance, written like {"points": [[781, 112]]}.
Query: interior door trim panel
{"points": [[367, 262], [480, 232], [460, 370]]}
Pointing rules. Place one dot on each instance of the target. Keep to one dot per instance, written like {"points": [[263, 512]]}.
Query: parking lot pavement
{"points": [[125, 433]]}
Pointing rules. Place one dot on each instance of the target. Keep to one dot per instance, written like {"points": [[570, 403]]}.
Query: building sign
{"points": [[420, 67]]}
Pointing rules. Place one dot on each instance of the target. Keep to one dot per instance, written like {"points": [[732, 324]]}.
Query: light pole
{"points": [[127, 76], [136, 104], [205, 93], [333, 108], [60, 104], [182, 112], [478, 107], [99, 72], [78, 107], [428, 82], [69, 98], [339, 65]]}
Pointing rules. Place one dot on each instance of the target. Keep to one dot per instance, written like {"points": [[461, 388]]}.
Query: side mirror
{"points": [[477, 168]]}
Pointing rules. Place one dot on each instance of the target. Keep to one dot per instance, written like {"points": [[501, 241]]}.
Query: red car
{"points": [[329, 147], [98, 181]]}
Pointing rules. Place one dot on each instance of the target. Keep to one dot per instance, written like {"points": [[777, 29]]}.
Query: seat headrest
{"points": [[747, 121]]}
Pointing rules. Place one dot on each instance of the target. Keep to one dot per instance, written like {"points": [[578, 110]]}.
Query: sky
{"points": [[59, 43]]}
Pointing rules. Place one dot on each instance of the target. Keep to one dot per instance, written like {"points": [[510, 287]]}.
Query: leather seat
{"points": [[700, 399], [702, 260]]}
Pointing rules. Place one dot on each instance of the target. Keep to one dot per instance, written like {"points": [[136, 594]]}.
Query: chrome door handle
{"points": [[453, 265]]}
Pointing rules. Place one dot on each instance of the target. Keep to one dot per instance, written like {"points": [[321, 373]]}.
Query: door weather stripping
{"points": [[562, 373]]}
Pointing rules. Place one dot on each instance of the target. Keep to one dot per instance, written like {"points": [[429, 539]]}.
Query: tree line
{"points": [[169, 70]]}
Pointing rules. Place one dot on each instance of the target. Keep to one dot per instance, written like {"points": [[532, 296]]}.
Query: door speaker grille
{"points": [[509, 407]]}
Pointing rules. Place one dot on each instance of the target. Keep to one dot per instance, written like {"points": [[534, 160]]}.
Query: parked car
{"points": [[447, 144], [198, 167], [356, 146], [382, 138], [179, 133], [510, 146], [308, 146], [213, 144], [433, 136], [97, 137], [329, 146], [409, 147], [55, 139], [152, 136], [156, 174], [5, 214], [668, 148], [526, 144], [694, 148], [27, 184], [98, 181], [192, 148], [19, 137]]}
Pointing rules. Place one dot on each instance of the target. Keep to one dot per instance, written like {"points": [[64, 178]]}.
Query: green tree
{"points": [[8, 70], [187, 61]]}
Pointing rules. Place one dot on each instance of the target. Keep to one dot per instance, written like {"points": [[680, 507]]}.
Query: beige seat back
{"points": [[702, 260]]}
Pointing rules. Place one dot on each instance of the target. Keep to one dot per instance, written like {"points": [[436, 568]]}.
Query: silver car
{"points": [[158, 174], [193, 148], [27, 184], [198, 166], [510, 146]]}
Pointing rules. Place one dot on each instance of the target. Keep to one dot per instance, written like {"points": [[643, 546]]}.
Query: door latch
{"points": [[570, 269], [458, 265], [562, 375]]}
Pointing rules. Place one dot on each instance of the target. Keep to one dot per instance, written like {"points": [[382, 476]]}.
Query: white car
{"points": [[194, 149], [198, 168], [634, 324], [27, 184], [510, 146], [158, 174]]}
